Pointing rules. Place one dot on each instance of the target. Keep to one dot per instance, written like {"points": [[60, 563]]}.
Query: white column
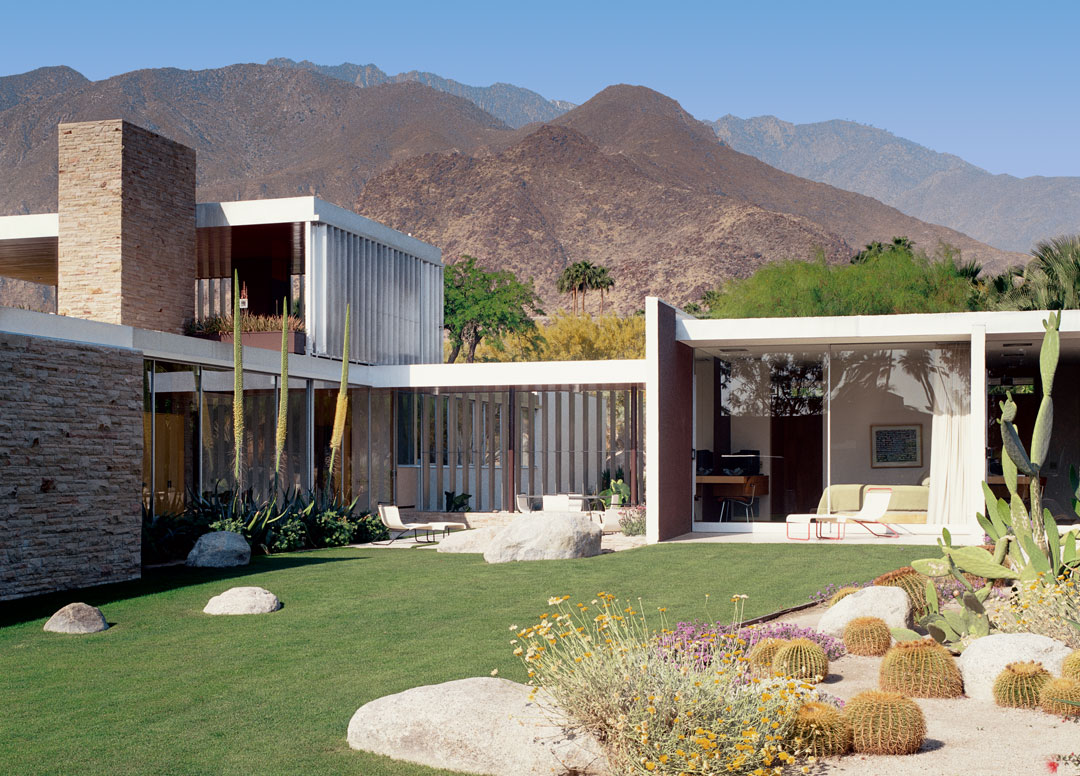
{"points": [[977, 428]]}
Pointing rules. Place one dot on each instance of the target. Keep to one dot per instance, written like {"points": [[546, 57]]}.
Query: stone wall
{"points": [[126, 252], [70, 465]]}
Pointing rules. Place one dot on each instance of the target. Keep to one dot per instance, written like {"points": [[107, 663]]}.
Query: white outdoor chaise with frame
{"points": [[391, 518], [875, 505]]}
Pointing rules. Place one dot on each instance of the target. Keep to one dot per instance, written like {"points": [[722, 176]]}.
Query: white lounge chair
{"points": [[523, 502], [390, 516], [875, 505], [556, 502]]}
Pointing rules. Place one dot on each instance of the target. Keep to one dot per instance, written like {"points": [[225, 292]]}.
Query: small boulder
{"points": [[219, 550], [480, 725], [77, 618], [890, 604], [985, 658], [474, 540], [545, 536], [243, 600]]}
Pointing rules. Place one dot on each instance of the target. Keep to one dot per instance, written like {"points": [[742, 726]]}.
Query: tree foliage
{"points": [[582, 277], [883, 279], [482, 304], [1050, 281], [574, 338]]}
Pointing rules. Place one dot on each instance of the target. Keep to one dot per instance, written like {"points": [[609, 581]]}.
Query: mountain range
{"points": [[628, 179], [513, 105], [1005, 211]]}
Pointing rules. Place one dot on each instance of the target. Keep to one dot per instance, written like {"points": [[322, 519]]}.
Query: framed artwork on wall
{"points": [[896, 447]]}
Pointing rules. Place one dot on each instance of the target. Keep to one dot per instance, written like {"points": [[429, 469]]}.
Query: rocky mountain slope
{"points": [[1005, 211], [511, 104], [37, 84], [628, 179]]}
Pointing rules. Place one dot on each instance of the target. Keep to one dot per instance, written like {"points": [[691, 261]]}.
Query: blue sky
{"points": [[995, 83]]}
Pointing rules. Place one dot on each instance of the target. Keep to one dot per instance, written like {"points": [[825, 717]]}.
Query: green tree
{"points": [[882, 279], [483, 304], [1050, 281], [601, 281]]}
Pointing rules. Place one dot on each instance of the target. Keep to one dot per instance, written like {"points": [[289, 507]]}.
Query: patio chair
{"points": [[558, 502], [390, 516], [523, 502], [875, 505]]}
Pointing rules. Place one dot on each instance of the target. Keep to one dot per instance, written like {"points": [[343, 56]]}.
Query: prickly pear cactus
{"points": [[802, 659], [885, 723], [821, 730], [922, 669], [1020, 684]]}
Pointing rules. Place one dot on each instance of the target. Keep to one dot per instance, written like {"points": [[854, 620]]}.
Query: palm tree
{"points": [[585, 274], [569, 282], [1050, 281], [602, 281]]}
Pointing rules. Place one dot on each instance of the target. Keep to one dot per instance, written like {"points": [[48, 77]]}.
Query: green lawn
{"points": [[169, 690]]}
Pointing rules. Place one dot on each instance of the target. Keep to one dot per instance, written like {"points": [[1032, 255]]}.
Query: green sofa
{"points": [[907, 505]]}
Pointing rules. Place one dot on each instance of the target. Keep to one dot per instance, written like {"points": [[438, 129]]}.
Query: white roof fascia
{"points": [[509, 375], [932, 327], [29, 227], [173, 347], [312, 209]]}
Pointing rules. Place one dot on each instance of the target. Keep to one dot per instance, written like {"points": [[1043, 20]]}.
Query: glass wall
{"points": [[786, 433], [170, 433], [760, 435]]}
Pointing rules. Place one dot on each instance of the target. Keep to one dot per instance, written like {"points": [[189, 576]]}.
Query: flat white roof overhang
{"points": [[808, 332], [28, 247], [475, 378], [252, 212]]}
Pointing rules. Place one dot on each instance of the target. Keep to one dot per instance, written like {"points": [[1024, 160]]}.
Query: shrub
{"points": [[701, 639], [821, 730], [867, 636], [911, 582], [632, 521], [1045, 607], [294, 521], [223, 324], [1019, 685], [885, 723], [1061, 697], [1070, 669], [801, 659], [601, 663], [760, 657], [922, 668], [833, 592]]}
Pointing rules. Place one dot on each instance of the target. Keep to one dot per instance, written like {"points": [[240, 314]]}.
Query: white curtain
{"points": [[950, 441]]}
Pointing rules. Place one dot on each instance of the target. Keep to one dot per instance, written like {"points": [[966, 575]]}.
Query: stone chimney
{"points": [[126, 251]]}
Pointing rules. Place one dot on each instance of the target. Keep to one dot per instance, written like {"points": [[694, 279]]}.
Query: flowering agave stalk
{"points": [[342, 408], [238, 384], [283, 394]]}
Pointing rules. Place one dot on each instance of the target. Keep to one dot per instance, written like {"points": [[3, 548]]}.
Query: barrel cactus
{"points": [[761, 655], [867, 636], [911, 582], [1020, 684], [1070, 669], [841, 594], [885, 723], [922, 669], [1061, 697], [802, 659], [821, 730]]}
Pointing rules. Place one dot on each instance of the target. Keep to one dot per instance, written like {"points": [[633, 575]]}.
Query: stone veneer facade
{"points": [[71, 448], [126, 199]]}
